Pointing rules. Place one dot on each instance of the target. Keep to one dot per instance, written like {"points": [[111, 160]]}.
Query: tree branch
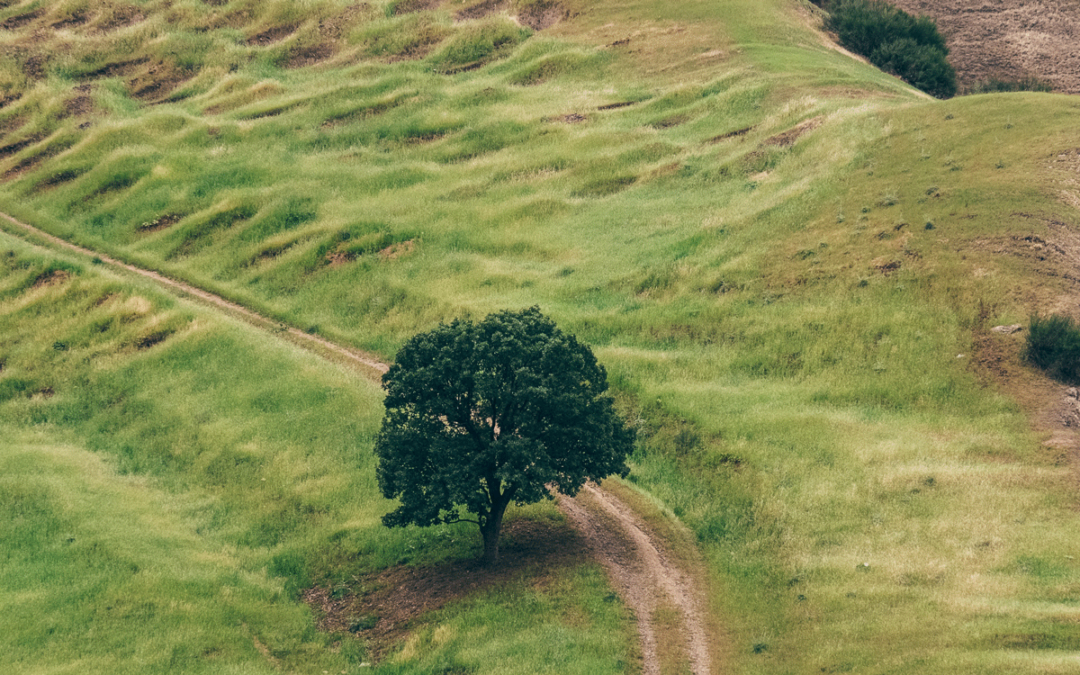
{"points": [[463, 520]]}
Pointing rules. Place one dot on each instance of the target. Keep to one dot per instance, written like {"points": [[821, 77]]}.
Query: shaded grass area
{"points": [[171, 481], [779, 254]]}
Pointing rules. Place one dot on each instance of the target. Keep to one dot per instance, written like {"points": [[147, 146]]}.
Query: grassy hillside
{"points": [[788, 262], [163, 508]]}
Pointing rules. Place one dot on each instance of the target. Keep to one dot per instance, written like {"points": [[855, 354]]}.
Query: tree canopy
{"points": [[479, 415]]}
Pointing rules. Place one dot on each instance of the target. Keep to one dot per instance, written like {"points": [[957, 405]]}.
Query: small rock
{"points": [[1072, 392], [1008, 330]]}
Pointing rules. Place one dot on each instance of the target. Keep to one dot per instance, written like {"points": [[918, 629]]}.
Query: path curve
{"points": [[644, 572], [638, 563]]}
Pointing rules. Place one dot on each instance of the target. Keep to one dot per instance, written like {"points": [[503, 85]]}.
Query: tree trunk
{"points": [[490, 532]]}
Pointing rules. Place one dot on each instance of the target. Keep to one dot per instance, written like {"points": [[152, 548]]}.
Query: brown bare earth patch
{"points": [[885, 265], [120, 17], [730, 134], [111, 187], [18, 146], [411, 6], [160, 223], [336, 259], [1055, 255], [542, 14], [367, 111], [11, 124], [270, 112], [155, 338], [1009, 39], [615, 106], [157, 81], [788, 138], [273, 251], [672, 121], [58, 178], [20, 20], [334, 27], [34, 66], [272, 35], [32, 162], [116, 69], [395, 251], [480, 10], [383, 608], [309, 55], [78, 106], [77, 18], [568, 118], [51, 278], [427, 137]]}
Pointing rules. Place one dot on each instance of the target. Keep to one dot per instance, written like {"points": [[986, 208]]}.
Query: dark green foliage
{"points": [[479, 415], [920, 65], [906, 46], [1054, 345]]}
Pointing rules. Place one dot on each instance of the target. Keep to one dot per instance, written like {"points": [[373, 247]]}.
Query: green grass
{"points": [[788, 318], [167, 499], [571, 629]]}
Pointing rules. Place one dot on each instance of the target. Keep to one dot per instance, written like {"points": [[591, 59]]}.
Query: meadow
{"points": [[788, 261], [164, 509]]}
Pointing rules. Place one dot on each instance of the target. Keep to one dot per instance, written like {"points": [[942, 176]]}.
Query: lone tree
{"points": [[478, 415]]}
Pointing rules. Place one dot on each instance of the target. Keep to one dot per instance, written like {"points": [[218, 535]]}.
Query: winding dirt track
{"points": [[646, 574]]}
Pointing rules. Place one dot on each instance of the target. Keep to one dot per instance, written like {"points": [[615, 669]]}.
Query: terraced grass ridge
{"points": [[788, 262]]}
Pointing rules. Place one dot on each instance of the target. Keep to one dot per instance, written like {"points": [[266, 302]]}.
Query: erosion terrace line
{"points": [[639, 564]]}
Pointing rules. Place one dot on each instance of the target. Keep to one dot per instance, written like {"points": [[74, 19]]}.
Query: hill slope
{"points": [[788, 262]]}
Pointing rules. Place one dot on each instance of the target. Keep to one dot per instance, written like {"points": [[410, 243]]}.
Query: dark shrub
{"points": [[1054, 345], [906, 46], [922, 66]]}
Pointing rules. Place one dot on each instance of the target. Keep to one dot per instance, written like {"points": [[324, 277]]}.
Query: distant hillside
{"points": [[790, 263], [1009, 39]]}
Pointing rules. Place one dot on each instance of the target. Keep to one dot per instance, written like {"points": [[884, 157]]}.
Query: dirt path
{"points": [[295, 335], [646, 574]]}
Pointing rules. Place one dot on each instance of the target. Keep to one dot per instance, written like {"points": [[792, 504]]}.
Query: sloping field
{"points": [[789, 263]]}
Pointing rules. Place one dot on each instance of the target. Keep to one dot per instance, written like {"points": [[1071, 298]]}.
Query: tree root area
{"points": [[383, 608]]}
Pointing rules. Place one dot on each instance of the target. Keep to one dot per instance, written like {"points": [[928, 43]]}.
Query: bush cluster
{"points": [[906, 46], [1054, 345]]}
